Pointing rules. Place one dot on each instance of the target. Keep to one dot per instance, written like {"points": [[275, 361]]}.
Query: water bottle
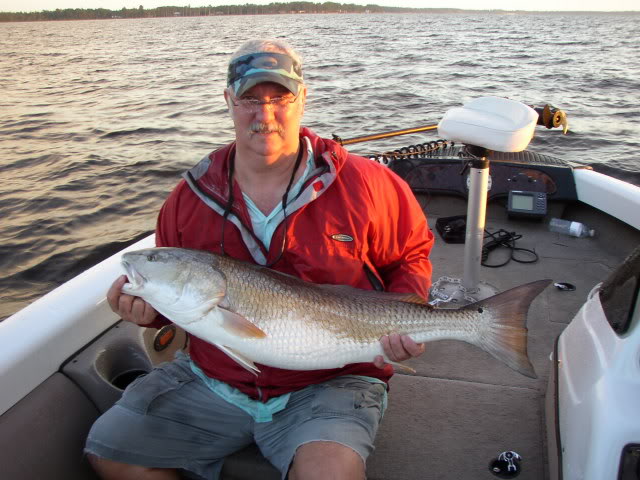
{"points": [[567, 227]]}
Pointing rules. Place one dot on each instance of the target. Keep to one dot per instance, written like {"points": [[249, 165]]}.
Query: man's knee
{"points": [[321, 460], [112, 470]]}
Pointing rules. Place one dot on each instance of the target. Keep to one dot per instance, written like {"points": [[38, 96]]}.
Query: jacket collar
{"points": [[209, 180], [212, 172]]}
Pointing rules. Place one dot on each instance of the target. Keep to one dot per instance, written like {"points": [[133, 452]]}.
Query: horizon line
{"points": [[302, 12]]}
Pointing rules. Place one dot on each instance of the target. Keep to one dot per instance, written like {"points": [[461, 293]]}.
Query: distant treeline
{"points": [[247, 9]]}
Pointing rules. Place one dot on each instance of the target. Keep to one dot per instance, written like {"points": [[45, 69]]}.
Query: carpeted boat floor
{"points": [[462, 408]]}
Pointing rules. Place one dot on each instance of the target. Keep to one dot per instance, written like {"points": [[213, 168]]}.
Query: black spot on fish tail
{"points": [[506, 337]]}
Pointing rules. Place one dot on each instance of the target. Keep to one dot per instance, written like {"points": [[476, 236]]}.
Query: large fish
{"points": [[255, 314]]}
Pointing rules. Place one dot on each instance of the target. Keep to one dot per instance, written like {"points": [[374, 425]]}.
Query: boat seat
{"points": [[43, 435], [494, 123]]}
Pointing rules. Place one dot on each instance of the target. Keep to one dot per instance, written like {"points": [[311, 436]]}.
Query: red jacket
{"points": [[347, 195]]}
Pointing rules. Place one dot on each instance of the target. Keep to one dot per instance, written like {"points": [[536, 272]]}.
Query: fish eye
{"points": [[480, 310], [151, 257]]}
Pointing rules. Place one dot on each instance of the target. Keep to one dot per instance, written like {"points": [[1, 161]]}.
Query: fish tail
{"points": [[506, 337]]}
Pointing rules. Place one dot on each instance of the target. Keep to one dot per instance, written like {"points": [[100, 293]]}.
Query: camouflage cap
{"points": [[250, 70]]}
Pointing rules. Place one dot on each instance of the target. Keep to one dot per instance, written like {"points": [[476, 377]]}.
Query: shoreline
{"points": [[72, 14]]}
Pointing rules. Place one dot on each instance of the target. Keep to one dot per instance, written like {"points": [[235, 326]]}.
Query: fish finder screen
{"points": [[522, 202]]}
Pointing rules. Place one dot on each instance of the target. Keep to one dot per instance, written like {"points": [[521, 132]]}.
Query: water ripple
{"points": [[99, 118]]}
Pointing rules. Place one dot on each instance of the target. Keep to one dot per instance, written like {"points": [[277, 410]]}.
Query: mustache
{"points": [[263, 127]]}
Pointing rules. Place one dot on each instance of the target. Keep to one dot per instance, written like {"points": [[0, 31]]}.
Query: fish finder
{"points": [[527, 204]]}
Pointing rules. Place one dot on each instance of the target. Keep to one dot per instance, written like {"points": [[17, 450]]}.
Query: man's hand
{"points": [[398, 348], [130, 308]]}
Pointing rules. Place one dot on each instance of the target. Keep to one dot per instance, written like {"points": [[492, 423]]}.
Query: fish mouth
{"points": [[136, 279]]}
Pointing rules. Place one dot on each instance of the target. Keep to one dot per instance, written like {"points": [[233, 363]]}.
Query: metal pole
{"points": [[476, 217]]}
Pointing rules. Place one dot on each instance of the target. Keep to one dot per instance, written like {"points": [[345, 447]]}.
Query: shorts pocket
{"points": [[350, 397], [145, 391]]}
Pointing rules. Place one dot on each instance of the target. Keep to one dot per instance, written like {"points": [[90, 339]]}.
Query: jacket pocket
{"points": [[333, 261]]}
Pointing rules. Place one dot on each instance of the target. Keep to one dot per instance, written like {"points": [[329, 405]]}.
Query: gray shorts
{"points": [[171, 419]]}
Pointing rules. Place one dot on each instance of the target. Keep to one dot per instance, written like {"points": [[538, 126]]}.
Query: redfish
{"points": [[258, 315]]}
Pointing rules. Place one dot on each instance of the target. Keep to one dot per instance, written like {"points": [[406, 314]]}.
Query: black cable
{"points": [[505, 239]]}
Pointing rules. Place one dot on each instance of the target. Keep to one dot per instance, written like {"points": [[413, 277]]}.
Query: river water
{"points": [[99, 118]]}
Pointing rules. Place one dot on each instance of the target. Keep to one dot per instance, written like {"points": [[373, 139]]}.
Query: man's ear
{"points": [[227, 99], [303, 100]]}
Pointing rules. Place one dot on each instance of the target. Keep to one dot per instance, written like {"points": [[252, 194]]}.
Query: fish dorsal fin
{"points": [[346, 289], [280, 276], [243, 361], [237, 325], [408, 298], [371, 294]]}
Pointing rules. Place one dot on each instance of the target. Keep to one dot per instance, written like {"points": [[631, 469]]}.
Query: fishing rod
{"points": [[378, 136], [548, 116]]}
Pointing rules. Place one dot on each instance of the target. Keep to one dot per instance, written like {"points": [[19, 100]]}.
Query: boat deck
{"points": [[447, 421], [462, 408]]}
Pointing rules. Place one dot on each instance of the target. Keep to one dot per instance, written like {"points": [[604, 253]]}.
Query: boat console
{"points": [[442, 172]]}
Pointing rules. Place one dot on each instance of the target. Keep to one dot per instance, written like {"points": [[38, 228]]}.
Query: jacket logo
{"points": [[342, 237]]}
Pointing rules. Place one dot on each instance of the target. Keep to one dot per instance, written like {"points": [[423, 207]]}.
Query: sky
{"points": [[538, 5]]}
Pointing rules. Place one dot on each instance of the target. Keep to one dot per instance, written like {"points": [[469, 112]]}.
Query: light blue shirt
{"points": [[265, 225], [260, 411]]}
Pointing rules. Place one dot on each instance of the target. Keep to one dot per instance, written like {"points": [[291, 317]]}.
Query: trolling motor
{"points": [[548, 116], [552, 117], [482, 125]]}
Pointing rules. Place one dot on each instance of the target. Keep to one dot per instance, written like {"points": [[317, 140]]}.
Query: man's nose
{"points": [[265, 111]]}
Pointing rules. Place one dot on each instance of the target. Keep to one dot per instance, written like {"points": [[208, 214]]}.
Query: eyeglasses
{"points": [[253, 104]]}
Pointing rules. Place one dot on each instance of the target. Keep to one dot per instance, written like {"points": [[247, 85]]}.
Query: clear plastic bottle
{"points": [[567, 227]]}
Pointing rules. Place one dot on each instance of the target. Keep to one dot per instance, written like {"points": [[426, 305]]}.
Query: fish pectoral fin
{"points": [[225, 303], [240, 359], [237, 325]]}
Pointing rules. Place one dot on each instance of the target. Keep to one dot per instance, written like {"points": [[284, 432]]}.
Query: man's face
{"points": [[269, 130]]}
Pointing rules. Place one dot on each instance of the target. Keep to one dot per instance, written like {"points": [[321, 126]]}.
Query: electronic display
{"points": [[522, 202], [527, 204]]}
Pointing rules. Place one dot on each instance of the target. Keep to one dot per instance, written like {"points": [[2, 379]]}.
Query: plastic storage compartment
{"points": [[123, 353]]}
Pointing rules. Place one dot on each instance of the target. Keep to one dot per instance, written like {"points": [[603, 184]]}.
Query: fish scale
{"points": [[258, 315]]}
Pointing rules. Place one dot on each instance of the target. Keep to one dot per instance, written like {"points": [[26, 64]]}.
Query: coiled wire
{"points": [[413, 151]]}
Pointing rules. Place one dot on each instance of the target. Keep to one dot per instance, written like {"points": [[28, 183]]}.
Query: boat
{"points": [[66, 358]]}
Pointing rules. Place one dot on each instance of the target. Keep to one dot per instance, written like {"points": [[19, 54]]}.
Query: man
{"points": [[279, 196]]}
